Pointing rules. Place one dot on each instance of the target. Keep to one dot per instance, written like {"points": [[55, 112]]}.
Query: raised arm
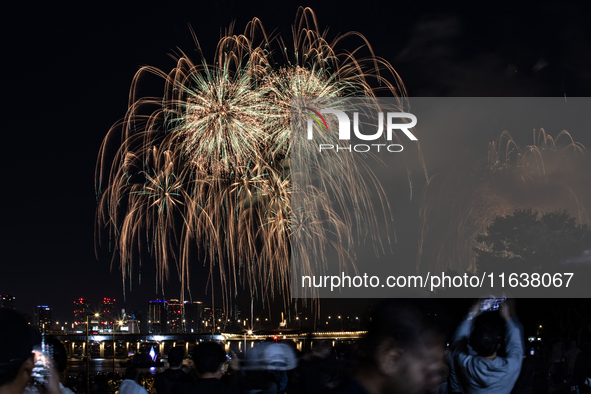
{"points": [[514, 346], [465, 328]]}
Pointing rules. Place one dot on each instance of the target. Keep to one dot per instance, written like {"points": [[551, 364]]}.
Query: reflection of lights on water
{"points": [[152, 369]]}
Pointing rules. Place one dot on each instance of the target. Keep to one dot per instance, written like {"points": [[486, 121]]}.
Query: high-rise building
{"points": [[212, 318], [107, 315], [43, 318], [193, 316], [235, 315], [7, 301], [81, 309], [175, 317], [157, 316]]}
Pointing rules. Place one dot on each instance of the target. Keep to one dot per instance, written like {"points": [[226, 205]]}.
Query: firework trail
{"points": [[456, 207], [204, 170]]}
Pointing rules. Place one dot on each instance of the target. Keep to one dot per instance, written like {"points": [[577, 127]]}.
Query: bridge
{"points": [[101, 345]]}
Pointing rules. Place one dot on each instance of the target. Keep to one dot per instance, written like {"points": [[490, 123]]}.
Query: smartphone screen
{"points": [[41, 368], [491, 304]]}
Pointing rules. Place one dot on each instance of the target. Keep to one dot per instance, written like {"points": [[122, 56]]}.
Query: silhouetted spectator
{"points": [[570, 356], [209, 359], [129, 385], [557, 366], [582, 371], [265, 368], [60, 358], [16, 357], [166, 381], [401, 355], [316, 372], [486, 371], [525, 381]]}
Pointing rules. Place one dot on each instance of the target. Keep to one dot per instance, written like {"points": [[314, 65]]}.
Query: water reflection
{"points": [[104, 365]]}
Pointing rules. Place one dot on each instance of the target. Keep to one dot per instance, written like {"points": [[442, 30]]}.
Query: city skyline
{"points": [[199, 317]]}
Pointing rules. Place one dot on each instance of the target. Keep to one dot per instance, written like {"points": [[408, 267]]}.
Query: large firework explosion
{"points": [[456, 207], [202, 174]]}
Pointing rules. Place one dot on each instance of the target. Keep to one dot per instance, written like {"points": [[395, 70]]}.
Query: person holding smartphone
{"points": [[475, 348], [17, 358]]}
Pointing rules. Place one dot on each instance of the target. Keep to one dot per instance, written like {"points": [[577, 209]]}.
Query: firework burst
{"points": [[205, 169], [458, 206]]}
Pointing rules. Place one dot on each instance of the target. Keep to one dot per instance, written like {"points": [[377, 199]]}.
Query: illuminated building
{"points": [[43, 318], [210, 319], [157, 317], [130, 322], [81, 308], [107, 315], [175, 317], [235, 313], [193, 317]]}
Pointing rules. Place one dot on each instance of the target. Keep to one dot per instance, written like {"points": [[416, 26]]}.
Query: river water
{"points": [[104, 365]]}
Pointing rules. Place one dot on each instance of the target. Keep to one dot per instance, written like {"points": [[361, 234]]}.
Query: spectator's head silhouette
{"points": [[59, 354], [130, 373], [485, 339], [176, 356], [16, 358], [401, 354], [209, 357]]}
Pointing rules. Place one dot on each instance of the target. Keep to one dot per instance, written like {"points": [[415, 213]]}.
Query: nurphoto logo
{"points": [[345, 130]]}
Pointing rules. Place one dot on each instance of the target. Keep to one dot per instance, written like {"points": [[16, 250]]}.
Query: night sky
{"points": [[67, 72]]}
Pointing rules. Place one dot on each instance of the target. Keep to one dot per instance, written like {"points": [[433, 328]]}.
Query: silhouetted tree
{"points": [[526, 241]]}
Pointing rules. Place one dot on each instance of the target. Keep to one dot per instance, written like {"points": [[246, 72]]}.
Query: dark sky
{"points": [[67, 72]]}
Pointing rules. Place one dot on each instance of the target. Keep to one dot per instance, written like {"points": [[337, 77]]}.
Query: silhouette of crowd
{"points": [[404, 351]]}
